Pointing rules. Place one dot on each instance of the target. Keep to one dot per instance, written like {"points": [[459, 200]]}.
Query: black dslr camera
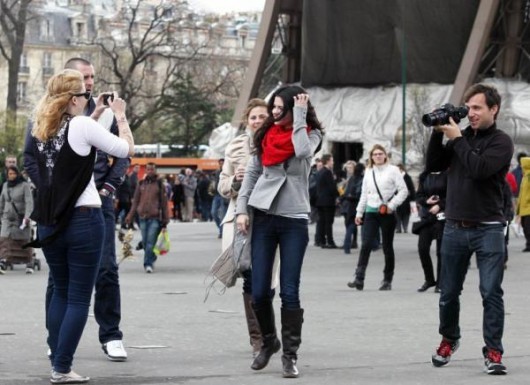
{"points": [[441, 115]]}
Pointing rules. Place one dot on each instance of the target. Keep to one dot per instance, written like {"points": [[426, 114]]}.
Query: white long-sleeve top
{"points": [[391, 185], [85, 133]]}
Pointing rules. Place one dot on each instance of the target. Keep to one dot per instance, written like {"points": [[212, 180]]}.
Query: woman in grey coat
{"points": [[275, 186], [16, 205]]}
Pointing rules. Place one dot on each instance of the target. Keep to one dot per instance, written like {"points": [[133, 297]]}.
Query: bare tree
{"points": [[14, 15], [149, 49]]}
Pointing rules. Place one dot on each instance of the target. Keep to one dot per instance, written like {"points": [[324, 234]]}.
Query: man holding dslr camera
{"points": [[477, 160]]}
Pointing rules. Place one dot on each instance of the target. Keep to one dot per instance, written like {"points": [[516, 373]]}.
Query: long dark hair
{"points": [[287, 94]]}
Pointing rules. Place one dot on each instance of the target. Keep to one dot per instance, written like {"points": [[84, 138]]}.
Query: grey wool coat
{"points": [[282, 189], [21, 197]]}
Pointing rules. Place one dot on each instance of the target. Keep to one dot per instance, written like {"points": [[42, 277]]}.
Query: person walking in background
{"points": [[237, 154], [133, 179], [108, 174], [350, 200], [11, 160], [275, 185], [219, 203], [189, 184], [204, 195], [150, 202], [68, 210], [16, 206], [518, 172], [430, 198], [377, 203], [313, 179], [178, 198], [403, 210], [477, 160], [123, 198], [326, 202], [523, 202]]}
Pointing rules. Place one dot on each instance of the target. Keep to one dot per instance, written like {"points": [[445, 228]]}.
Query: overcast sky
{"points": [[228, 5]]}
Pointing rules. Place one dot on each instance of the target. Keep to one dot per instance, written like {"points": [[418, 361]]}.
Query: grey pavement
{"points": [[173, 337]]}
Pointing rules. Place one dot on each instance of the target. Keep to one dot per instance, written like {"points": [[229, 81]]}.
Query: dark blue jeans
{"points": [[73, 258], [458, 244], [291, 235], [107, 300], [370, 231], [150, 228]]}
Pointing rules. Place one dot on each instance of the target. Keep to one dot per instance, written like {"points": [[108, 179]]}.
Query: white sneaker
{"points": [[115, 350], [148, 269], [68, 378], [29, 270]]}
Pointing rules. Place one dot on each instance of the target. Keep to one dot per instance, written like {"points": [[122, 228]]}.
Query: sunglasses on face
{"points": [[86, 94]]}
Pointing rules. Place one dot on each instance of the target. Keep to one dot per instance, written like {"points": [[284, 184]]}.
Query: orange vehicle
{"points": [[173, 166]]}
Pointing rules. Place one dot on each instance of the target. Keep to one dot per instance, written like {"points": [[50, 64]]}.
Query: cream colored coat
{"points": [[237, 153]]}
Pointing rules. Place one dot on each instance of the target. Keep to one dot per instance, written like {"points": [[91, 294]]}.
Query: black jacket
{"points": [[477, 165], [327, 192], [431, 184]]}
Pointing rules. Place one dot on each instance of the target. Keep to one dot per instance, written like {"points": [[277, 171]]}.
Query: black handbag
{"points": [[423, 222]]}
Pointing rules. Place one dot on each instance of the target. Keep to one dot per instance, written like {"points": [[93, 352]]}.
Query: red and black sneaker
{"points": [[493, 361], [443, 354]]}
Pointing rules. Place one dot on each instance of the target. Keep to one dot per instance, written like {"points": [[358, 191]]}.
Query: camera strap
{"points": [[377, 188]]}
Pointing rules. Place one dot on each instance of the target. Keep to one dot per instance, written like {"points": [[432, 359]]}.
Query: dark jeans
{"points": [[107, 299], [429, 233], [73, 258], [458, 245], [371, 225], [326, 217], [291, 235], [150, 228]]}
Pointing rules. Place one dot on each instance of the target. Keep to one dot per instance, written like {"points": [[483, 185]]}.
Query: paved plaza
{"points": [[173, 337]]}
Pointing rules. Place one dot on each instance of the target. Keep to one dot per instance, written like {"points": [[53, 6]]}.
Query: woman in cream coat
{"points": [[237, 155]]}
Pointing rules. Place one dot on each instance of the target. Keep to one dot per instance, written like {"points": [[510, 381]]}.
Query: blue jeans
{"points": [[291, 235], [458, 244], [73, 258], [219, 207], [107, 300], [150, 228]]}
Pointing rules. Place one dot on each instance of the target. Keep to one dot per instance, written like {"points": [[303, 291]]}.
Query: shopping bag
{"points": [[162, 244]]}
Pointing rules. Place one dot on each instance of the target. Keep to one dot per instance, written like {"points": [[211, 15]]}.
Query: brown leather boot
{"points": [[254, 331]]}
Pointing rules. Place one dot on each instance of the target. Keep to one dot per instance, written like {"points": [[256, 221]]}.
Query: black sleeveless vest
{"points": [[63, 175]]}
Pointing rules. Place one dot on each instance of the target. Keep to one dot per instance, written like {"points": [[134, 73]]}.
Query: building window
{"points": [[47, 68], [21, 91], [46, 29], [24, 68]]}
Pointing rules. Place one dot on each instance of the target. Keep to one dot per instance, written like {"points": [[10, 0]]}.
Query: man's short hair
{"points": [[326, 158], [72, 63], [490, 94]]}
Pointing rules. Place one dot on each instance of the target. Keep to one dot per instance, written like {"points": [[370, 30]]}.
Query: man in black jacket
{"points": [[477, 160], [108, 177], [327, 195]]}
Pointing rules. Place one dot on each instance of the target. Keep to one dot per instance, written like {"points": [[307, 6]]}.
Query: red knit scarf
{"points": [[277, 145]]}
